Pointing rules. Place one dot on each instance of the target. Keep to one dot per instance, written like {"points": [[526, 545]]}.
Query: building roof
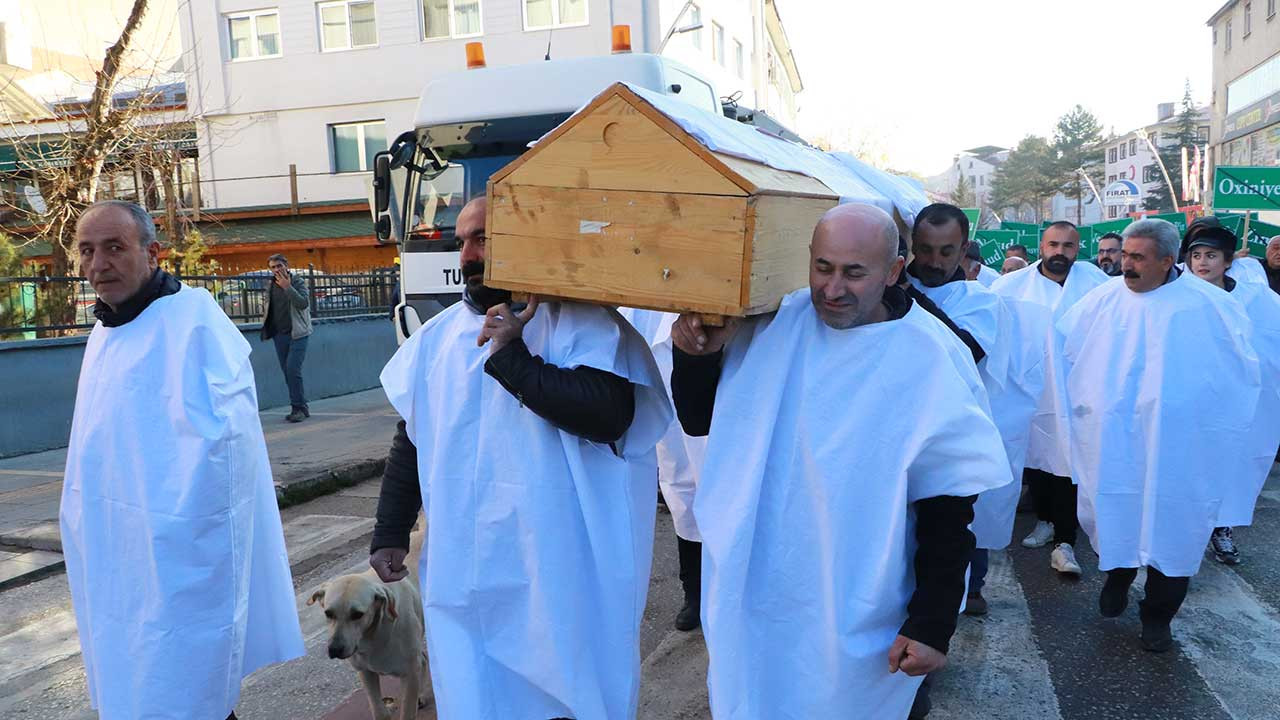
{"points": [[985, 150], [284, 229], [1213, 19]]}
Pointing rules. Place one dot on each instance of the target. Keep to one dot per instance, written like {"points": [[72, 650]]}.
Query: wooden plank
{"points": [[664, 251], [618, 147], [780, 248], [770, 181]]}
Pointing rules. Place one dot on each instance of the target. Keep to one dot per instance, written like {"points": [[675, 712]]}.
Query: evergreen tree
{"points": [[1027, 178], [962, 195], [1170, 146], [1076, 143]]}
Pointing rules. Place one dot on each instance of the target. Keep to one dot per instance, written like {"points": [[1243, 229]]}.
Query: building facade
{"points": [[1129, 157], [1245, 123], [294, 97]]}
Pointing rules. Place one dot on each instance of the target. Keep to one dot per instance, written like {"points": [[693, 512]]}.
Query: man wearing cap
{"points": [[1150, 458], [1209, 257], [975, 269], [1108, 260], [1055, 281]]}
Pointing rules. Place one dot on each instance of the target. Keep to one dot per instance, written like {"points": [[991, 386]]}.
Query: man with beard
{"points": [[1151, 459], [1209, 257], [1108, 260], [833, 560], [1056, 282], [1012, 372], [528, 439]]}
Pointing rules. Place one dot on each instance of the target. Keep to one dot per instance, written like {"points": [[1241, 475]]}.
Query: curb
{"points": [[296, 493]]}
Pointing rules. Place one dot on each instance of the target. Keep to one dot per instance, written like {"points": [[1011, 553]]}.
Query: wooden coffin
{"points": [[620, 206]]}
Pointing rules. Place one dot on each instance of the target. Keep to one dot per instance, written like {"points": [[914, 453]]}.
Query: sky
{"points": [[73, 27], [912, 82]]}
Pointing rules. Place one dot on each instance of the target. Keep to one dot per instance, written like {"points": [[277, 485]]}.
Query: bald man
{"points": [[1012, 264], [848, 442], [529, 440]]}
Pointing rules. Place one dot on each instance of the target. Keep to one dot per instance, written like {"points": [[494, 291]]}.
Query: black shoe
{"points": [[1113, 600], [306, 411], [688, 617], [1156, 636], [297, 416], [975, 604]]}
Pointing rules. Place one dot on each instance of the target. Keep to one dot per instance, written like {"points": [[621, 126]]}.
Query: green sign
{"points": [[1030, 233], [1088, 241], [1246, 188], [992, 244], [1179, 220], [974, 215], [1098, 230], [1259, 232]]}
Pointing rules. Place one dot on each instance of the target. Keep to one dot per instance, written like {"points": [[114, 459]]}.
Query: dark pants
{"points": [[291, 354], [979, 562], [1164, 594], [690, 567], [1054, 500]]}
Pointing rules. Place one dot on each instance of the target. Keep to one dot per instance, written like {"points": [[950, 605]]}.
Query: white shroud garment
{"points": [[1044, 452], [538, 542], [1160, 388], [1013, 373], [175, 555], [820, 442], [679, 455], [1247, 269], [987, 276], [1263, 308]]}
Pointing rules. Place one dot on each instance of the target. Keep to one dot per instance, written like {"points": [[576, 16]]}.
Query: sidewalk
{"points": [[343, 442]]}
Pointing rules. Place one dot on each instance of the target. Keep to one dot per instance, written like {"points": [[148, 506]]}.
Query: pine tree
{"points": [[1027, 178], [962, 195], [1076, 142], [1170, 150]]}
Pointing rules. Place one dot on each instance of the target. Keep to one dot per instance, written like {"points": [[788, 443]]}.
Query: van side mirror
{"points": [[381, 181]]}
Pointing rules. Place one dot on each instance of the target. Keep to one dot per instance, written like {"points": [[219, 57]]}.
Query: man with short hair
{"points": [[1151, 460], [528, 439], [1055, 281], [831, 555], [1012, 264], [975, 269], [1108, 260], [1017, 250], [170, 530], [286, 319]]}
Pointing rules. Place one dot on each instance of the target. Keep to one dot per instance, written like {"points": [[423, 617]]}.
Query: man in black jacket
{"points": [[528, 437]]}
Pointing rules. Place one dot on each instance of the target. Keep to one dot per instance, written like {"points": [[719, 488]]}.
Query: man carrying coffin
{"points": [[532, 433], [172, 538], [1153, 458], [1010, 366], [1055, 281], [835, 500]]}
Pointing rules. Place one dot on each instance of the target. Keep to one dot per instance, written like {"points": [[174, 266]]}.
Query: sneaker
{"points": [[1224, 546], [1040, 536], [975, 605], [297, 416], [688, 617], [1156, 636], [1063, 560]]}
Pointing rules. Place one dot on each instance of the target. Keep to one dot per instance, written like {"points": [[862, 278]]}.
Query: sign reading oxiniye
{"points": [[1246, 188]]}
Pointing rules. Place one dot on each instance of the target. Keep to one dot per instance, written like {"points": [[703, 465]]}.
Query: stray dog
{"points": [[378, 628]]}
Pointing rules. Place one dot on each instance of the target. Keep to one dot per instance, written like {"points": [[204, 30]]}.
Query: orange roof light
{"points": [[621, 39], [475, 55]]}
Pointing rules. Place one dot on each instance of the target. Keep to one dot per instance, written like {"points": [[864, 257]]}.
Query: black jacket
{"points": [[590, 403], [944, 541]]}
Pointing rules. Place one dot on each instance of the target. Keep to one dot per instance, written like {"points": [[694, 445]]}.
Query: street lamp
{"points": [[1173, 194], [676, 29], [1080, 171]]}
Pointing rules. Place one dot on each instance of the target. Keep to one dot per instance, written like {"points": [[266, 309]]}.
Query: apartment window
{"points": [[1133, 147], [981, 178], [1111, 212], [543, 14], [1215, 35], [450, 18], [1248, 19], [355, 144], [1228, 36], [717, 43], [254, 35], [1150, 174], [695, 18], [347, 24], [738, 59], [1111, 179], [1122, 155], [1111, 155]]}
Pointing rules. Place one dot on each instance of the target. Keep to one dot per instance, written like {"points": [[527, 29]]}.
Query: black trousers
{"points": [[690, 567], [1054, 500], [1164, 594]]}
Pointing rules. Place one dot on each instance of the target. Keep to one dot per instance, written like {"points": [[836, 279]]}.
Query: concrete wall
{"points": [[37, 397]]}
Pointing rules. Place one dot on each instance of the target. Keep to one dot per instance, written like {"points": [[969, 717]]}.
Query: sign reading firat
{"points": [[1121, 192], [1246, 188]]}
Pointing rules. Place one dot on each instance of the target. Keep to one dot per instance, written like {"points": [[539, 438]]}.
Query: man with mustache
{"points": [[834, 559], [1156, 461], [1108, 260], [170, 530], [528, 439], [1011, 371], [1055, 281]]}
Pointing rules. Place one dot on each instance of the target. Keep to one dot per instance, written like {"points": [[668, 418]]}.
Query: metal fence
{"points": [[32, 307]]}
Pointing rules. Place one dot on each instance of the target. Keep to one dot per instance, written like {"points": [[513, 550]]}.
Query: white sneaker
{"points": [[1040, 536], [1063, 560]]}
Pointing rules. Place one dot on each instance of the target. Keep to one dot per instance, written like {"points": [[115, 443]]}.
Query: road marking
{"points": [[32, 473]]}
